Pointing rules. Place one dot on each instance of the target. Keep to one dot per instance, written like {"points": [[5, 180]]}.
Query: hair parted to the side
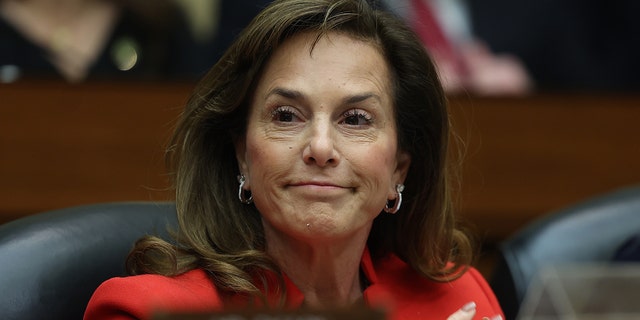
{"points": [[225, 237]]}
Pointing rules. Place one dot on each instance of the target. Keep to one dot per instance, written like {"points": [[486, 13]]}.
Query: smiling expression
{"points": [[320, 154]]}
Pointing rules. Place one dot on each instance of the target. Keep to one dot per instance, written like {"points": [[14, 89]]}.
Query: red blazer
{"points": [[394, 286]]}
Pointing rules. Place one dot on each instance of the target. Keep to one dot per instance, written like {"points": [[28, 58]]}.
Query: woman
{"points": [[310, 171]]}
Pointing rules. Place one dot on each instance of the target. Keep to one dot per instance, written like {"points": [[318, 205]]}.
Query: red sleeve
{"points": [[139, 297]]}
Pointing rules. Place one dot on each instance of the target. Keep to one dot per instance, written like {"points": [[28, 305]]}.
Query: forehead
{"points": [[334, 55], [309, 41]]}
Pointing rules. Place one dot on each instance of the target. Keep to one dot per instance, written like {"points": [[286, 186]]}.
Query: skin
{"points": [[321, 159]]}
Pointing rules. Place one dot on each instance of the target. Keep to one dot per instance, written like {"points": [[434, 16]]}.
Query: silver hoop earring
{"points": [[242, 194], [398, 202]]}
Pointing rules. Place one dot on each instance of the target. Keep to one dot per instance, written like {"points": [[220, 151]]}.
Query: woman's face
{"points": [[321, 155]]}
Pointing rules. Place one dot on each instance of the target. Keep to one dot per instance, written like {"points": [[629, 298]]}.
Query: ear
{"points": [[240, 146], [403, 163]]}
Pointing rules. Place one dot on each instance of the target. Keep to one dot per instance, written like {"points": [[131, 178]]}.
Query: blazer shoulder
{"points": [[140, 296]]}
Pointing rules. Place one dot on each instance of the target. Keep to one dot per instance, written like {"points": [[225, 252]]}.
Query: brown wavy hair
{"points": [[225, 237]]}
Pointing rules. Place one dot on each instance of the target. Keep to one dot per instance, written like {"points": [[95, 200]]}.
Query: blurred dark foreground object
{"points": [[354, 312], [53, 261], [584, 291], [587, 233]]}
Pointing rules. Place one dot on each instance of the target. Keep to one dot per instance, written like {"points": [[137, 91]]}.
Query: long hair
{"points": [[225, 237]]}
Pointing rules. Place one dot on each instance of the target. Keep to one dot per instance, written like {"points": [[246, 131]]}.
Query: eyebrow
{"points": [[287, 93], [297, 95], [361, 97]]}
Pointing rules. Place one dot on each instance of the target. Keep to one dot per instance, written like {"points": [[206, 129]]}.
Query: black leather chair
{"points": [[52, 262], [589, 232]]}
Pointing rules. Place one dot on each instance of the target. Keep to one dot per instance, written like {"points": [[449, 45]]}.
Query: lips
{"points": [[315, 183], [318, 182], [317, 188]]}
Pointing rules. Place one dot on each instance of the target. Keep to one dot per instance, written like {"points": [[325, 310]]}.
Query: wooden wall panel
{"points": [[64, 145], [529, 156]]}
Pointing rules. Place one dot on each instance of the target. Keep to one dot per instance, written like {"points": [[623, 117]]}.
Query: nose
{"points": [[320, 149]]}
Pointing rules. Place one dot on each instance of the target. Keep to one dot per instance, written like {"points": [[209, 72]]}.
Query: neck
{"points": [[326, 272]]}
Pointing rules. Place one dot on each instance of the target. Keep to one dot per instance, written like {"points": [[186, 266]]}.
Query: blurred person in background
{"points": [[574, 45], [491, 47], [465, 63], [78, 40]]}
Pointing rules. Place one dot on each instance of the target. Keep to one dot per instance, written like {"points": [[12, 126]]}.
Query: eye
{"points": [[284, 114], [357, 117]]}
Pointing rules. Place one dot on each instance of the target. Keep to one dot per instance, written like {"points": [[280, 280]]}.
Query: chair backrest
{"points": [[52, 262], [589, 232]]}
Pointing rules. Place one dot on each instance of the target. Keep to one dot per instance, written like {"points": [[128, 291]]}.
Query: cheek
{"points": [[381, 156], [376, 165], [265, 161]]}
